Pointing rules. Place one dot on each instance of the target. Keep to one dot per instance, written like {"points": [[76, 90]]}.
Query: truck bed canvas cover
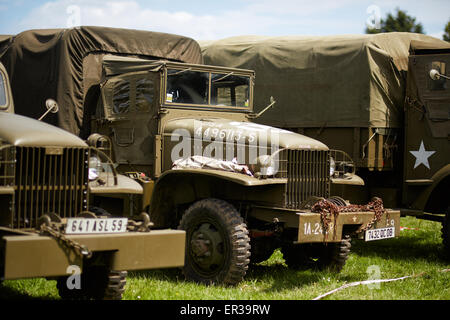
{"points": [[56, 63], [323, 81]]}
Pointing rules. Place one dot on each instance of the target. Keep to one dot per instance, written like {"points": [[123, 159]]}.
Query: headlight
{"points": [[94, 168], [332, 166], [266, 165]]}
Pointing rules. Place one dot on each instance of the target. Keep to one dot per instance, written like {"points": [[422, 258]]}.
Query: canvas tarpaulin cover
{"points": [[114, 65], [5, 41], [323, 81], [51, 63]]}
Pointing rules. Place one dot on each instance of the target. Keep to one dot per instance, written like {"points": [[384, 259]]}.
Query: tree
{"points": [[446, 36], [400, 23]]}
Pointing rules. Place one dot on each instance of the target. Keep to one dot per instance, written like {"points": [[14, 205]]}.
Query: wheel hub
{"points": [[200, 246], [206, 247]]}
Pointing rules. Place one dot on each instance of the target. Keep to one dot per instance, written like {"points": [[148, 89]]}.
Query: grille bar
{"points": [[307, 174], [49, 180]]}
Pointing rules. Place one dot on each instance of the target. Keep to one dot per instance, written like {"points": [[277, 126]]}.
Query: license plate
{"points": [[100, 225], [379, 234]]}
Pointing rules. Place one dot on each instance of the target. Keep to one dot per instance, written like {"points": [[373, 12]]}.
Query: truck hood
{"points": [[228, 129], [27, 132]]}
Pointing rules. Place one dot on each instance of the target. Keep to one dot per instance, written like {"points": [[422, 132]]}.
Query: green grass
{"points": [[415, 252]]}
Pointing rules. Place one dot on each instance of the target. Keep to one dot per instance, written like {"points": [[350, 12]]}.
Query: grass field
{"points": [[417, 253]]}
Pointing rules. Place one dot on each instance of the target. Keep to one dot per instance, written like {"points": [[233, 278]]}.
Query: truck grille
{"points": [[7, 165], [49, 180], [308, 174]]}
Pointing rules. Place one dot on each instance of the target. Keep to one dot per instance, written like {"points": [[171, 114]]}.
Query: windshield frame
{"points": [[4, 85], [181, 67]]}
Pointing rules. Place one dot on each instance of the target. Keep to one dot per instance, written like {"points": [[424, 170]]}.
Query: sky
{"points": [[213, 19]]}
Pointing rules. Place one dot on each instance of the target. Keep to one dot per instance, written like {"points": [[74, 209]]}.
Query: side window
{"points": [[2, 91], [439, 84], [129, 94], [121, 97], [144, 94]]}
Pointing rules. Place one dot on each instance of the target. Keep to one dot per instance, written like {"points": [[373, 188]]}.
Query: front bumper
{"points": [[310, 228], [28, 256]]}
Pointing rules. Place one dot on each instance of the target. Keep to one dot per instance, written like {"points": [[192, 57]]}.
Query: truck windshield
{"points": [[188, 87], [207, 88], [229, 90]]}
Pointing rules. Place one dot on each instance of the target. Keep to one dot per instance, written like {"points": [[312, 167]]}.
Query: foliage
{"points": [[446, 36], [402, 22], [418, 252]]}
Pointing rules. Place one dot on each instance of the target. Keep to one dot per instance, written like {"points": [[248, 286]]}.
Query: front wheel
{"points": [[98, 283], [217, 243], [330, 256]]}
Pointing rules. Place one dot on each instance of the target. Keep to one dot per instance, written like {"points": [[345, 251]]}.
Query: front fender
{"points": [[235, 177], [124, 185], [422, 201], [353, 179], [177, 188]]}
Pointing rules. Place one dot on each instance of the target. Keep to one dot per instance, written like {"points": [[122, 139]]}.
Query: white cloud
{"points": [[130, 14], [301, 8], [251, 18], [265, 17]]}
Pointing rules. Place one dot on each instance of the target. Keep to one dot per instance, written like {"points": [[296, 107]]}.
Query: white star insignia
{"points": [[422, 156]]}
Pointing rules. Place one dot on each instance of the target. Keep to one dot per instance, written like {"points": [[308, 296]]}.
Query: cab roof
{"points": [[115, 65]]}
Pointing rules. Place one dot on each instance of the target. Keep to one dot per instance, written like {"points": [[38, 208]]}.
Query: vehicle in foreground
{"points": [[239, 189], [51, 183]]}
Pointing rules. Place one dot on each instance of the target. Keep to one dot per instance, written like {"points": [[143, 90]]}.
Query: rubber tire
{"points": [[328, 256], [446, 232], [336, 255], [235, 242], [97, 283]]}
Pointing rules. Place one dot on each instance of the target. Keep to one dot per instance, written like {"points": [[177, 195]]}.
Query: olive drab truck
{"points": [[50, 225], [185, 131], [383, 99], [237, 188]]}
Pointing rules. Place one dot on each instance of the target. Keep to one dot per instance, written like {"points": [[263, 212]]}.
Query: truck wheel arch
{"points": [[435, 199], [177, 189]]}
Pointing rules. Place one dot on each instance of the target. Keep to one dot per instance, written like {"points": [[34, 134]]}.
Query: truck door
{"points": [[128, 116], [427, 122]]}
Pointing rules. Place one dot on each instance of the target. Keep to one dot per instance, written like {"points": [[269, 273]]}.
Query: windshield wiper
{"points": [[225, 76]]}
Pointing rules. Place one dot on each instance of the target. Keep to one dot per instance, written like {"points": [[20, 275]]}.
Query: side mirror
{"points": [[435, 75], [254, 116], [52, 106]]}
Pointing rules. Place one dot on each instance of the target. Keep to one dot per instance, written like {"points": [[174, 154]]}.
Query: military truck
{"points": [[371, 96], [238, 189], [51, 225]]}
